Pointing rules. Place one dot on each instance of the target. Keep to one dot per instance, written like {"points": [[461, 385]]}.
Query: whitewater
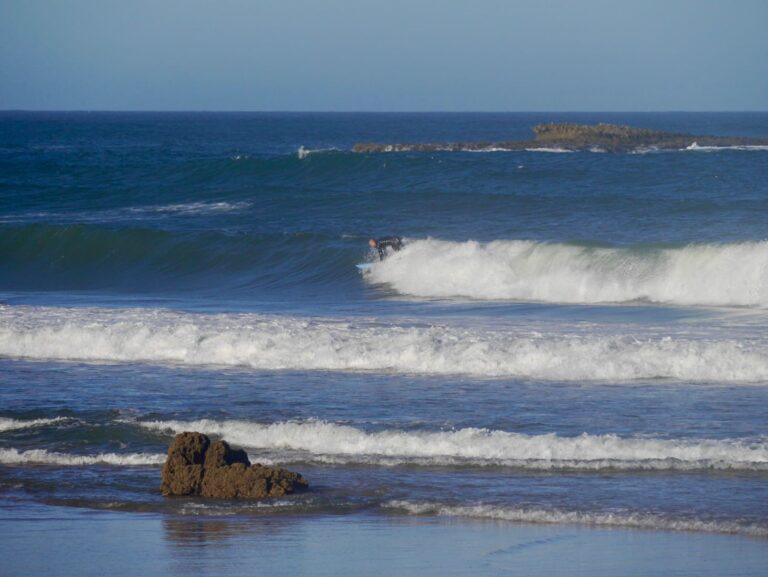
{"points": [[733, 274], [569, 352], [343, 444]]}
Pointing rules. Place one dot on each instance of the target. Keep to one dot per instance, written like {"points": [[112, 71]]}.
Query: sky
{"points": [[393, 55]]}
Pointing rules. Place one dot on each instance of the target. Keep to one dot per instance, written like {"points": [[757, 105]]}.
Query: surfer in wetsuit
{"points": [[382, 244]]}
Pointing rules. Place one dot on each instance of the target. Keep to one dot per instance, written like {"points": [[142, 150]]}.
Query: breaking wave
{"points": [[632, 520], [270, 342], [556, 150], [43, 457], [303, 153], [744, 147], [325, 442], [704, 274], [7, 424], [192, 208]]}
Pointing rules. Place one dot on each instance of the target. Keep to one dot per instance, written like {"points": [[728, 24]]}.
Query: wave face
{"points": [[341, 444], [271, 342], [707, 274], [44, 457], [80, 256], [638, 520]]}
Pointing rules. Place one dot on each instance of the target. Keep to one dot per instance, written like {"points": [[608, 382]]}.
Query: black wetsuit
{"points": [[393, 242]]}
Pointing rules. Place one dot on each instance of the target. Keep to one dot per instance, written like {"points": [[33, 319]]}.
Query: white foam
{"points": [[489, 149], [192, 208], [745, 147], [43, 457], [303, 153], [304, 343], [556, 150], [634, 520], [646, 150], [13, 424], [342, 444], [704, 274]]}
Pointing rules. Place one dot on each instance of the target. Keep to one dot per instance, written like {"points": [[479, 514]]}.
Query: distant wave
{"points": [[307, 343], [341, 444], [191, 208], [754, 147], [43, 457], [549, 149], [537, 149], [303, 153], [632, 520], [14, 424], [699, 274]]}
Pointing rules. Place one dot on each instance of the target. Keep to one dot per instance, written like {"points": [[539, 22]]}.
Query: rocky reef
{"points": [[568, 136], [197, 467]]}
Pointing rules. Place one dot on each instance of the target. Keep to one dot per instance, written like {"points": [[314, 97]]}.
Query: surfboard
{"points": [[364, 266]]}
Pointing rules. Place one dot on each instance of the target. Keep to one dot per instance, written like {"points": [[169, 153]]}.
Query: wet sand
{"points": [[45, 540]]}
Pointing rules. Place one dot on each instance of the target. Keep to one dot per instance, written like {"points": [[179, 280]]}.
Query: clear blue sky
{"points": [[384, 55]]}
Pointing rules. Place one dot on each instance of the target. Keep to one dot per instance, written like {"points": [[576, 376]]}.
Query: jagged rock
{"points": [[195, 466], [183, 469], [605, 137]]}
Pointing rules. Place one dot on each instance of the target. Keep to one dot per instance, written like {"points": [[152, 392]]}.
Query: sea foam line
{"points": [[13, 456], [733, 274], [633, 520], [342, 444], [268, 342]]}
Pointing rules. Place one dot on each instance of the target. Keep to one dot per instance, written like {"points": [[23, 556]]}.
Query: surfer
{"points": [[382, 244]]}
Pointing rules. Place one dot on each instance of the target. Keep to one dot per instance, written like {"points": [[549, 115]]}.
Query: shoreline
{"points": [[47, 540]]}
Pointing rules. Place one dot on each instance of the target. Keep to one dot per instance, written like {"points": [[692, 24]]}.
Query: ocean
{"points": [[567, 358]]}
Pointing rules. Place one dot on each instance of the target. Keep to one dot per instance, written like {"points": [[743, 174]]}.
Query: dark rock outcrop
{"points": [[195, 466], [605, 137]]}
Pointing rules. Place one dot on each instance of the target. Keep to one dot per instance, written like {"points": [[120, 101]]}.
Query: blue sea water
{"points": [[568, 339]]}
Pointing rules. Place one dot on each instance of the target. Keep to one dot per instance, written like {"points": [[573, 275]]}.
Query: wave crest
{"points": [[706, 274], [267, 342], [7, 424], [341, 444], [632, 520], [43, 457]]}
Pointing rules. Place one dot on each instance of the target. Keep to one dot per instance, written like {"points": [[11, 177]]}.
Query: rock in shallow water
{"points": [[195, 466]]}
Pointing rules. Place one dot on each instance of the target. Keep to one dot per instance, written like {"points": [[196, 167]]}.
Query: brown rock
{"points": [[183, 469], [606, 137], [196, 467]]}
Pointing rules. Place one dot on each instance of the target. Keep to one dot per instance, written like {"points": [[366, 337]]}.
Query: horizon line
{"points": [[214, 111]]}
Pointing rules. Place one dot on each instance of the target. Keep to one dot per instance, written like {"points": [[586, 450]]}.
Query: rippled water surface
{"points": [[567, 340]]}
